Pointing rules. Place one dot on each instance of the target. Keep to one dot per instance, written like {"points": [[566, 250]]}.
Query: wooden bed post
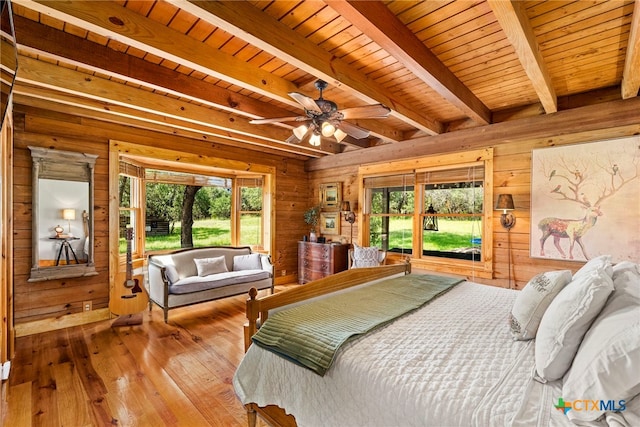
{"points": [[252, 415], [251, 327]]}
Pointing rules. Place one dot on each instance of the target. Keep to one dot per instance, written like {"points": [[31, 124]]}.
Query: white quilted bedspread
{"points": [[451, 363]]}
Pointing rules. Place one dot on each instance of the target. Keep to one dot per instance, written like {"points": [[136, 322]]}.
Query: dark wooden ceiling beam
{"points": [[44, 74], [50, 100], [113, 21], [514, 22], [631, 73], [274, 37], [88, 117], [41, 39], [130, 102], [375, 20]]}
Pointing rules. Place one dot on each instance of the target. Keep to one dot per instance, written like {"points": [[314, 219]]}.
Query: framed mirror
{"points": [[62, 239]]}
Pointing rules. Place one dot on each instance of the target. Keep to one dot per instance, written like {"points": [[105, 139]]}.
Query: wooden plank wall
{"points": [[512, 174], [58, 298], [296, 191]]}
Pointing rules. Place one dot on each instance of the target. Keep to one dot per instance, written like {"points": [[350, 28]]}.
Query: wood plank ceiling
{"points": [[206, 69]]}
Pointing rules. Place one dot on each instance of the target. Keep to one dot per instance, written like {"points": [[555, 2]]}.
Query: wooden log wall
{"points": [[511, 174], [297, 188], [54, 300]]}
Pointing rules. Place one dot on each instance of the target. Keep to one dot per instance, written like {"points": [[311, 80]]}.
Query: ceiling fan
{"points": [[322, 118]]}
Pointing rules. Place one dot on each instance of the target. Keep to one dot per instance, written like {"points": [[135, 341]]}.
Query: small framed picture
{"points": [[330, 223], [331, 195]]}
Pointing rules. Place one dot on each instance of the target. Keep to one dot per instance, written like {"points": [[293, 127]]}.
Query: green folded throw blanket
{"points": [[310, 334]]}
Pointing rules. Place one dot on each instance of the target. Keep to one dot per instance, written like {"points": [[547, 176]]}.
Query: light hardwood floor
{"points": [[154, 374]]}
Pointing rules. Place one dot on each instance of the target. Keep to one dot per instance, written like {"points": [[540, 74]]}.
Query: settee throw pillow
{"points": [[247, 262], [208, 266]]}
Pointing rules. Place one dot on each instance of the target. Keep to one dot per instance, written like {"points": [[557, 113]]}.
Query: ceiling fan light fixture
{"points": [[339, 135], [315, 140], [328, 129], [300, 131], [323, 119]]}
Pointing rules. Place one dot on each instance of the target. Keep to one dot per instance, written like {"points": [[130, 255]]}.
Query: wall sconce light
{"points": [[69, 215], [349, 216], [505, 203], [430, 222]]}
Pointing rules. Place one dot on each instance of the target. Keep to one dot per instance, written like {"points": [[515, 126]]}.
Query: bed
{"points": [[463, 358]]}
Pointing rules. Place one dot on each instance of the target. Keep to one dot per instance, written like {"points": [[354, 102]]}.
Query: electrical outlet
{"points": [[87, 305], [283, 272]]}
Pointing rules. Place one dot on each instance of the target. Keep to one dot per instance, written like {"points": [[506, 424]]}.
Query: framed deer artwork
{"points": [[585, 201]]}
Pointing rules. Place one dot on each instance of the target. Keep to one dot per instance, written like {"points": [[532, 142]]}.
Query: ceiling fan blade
{"points": [[307, 103], [376, 111], [277, 120], [353, 130]]}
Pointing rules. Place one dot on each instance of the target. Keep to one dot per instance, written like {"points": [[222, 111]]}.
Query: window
{"points": [[151, 202], [452, 210], [250, 211], [130, 206], [391, 203], [133, 168], [211, 209], [433, 210]]}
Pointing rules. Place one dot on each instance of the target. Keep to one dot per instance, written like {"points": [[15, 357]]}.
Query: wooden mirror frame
{"points": [[64, 166]]}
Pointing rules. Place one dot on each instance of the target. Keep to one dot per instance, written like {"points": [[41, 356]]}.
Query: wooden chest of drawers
{"points": [[317, 260]]}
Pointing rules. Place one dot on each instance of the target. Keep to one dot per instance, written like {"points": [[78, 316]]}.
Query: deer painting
{"points": [[572, 229], [584, 181]]}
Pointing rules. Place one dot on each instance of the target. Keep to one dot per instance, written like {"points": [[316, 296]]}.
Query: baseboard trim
{"points": [[66, 321]]}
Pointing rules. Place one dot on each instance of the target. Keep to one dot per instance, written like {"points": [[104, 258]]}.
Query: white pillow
{"points": [[171, 273], [247, 262], [365, 256], [567, 320], [602, 262], [607, 364], [533, 300], [208, 266], [624, 266]]}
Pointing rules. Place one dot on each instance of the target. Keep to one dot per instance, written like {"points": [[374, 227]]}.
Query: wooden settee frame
{"points": [[257, 311]]}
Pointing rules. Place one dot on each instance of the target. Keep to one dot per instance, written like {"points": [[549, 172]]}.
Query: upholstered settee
{"points": [[190, 276]]}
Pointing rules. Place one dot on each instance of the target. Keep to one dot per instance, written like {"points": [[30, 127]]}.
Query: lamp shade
{"points": [[69, 214], [345, 207], [328, 129], [300, 131], [339, 135], [505, 203], [315, 140]]}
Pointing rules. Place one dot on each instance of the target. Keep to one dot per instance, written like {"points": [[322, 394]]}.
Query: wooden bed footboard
{"points": [[258, 308], [258, 311]]}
